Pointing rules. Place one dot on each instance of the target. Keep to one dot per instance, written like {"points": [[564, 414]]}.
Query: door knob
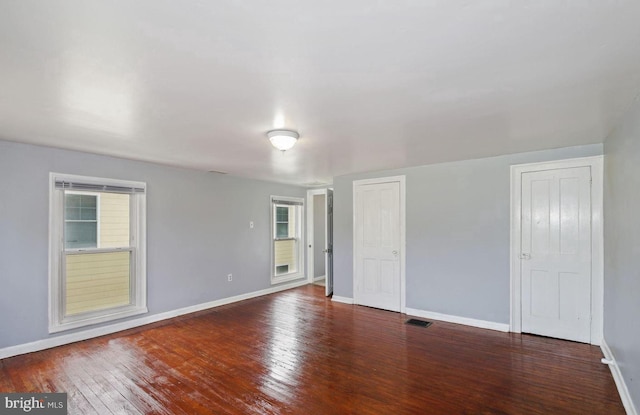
{"points": [[525, 255], [394, 252]]}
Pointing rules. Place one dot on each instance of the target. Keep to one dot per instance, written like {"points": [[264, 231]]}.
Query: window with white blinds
{"points": [[286, 239], [98, 253]]}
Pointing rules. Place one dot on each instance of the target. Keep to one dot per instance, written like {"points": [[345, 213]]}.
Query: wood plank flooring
{"points": [[296, 352]]}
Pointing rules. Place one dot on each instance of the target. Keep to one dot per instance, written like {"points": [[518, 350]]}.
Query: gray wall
{"points": [[319, 220], [197, 233], [622, 248], [457, 255]]}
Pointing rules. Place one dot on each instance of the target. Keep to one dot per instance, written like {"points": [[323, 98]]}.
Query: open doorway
{"points": [[320, 238]]}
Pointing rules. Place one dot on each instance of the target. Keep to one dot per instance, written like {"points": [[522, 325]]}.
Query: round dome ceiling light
{"points": [[283, 140]]}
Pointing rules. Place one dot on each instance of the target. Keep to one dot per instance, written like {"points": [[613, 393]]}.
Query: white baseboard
{"points": [[458, 320], [345, 300], [618, 379], [320, 278], [113, 328]]}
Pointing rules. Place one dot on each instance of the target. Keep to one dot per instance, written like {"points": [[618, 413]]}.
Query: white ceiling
{"points": [[370, 85]]}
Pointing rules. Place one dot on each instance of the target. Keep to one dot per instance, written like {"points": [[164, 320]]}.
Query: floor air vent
{"points": [[419, 323]]}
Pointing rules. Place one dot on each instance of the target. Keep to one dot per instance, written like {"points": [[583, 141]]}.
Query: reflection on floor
{"points": [[298, 352]]}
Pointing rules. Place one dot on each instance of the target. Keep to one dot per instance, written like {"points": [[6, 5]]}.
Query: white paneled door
{"points": [[377, 245], [556, 253]]}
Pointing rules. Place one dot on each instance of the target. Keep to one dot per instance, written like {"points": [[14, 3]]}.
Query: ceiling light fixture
{"points": [[283, 140]]}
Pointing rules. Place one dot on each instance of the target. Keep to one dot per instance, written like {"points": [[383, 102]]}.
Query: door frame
{"points": [[310, 234], [597, 239], [402, 182], [328, 242]]}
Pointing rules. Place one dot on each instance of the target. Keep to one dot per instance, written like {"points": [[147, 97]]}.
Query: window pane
{"points": [[88, 201], [282, 269], [81, 228], [80, 207], [72, 213], [73, 200], [82, 221], [282, 230], [282, 214], [88, 213], [80, 235], [97, 281]]}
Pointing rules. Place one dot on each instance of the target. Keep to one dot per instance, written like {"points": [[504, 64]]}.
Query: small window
{"points": [[97, 243], [287, 252]]}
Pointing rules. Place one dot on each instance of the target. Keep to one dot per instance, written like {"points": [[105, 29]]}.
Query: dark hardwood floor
{"points": [[296, 352]]}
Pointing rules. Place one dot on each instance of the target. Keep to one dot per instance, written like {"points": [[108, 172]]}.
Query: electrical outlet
{"points": [[230, 277]]}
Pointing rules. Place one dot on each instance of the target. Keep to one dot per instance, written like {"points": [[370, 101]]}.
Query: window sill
{"points": [[77, 322], [286, 278]]}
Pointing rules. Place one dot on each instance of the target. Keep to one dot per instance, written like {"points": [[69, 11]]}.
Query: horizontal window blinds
{"points": [[286, 202], [68, 185]]}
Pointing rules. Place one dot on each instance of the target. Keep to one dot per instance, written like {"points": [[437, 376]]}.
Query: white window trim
{"points": [[57, 322], [300, 230]]}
